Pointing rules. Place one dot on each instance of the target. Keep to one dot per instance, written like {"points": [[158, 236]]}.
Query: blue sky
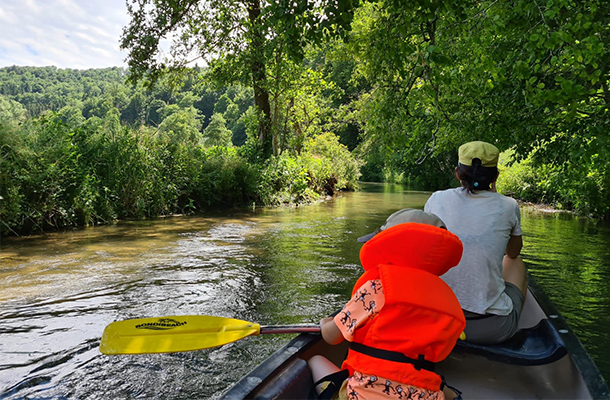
{"points": [[77, 34]]}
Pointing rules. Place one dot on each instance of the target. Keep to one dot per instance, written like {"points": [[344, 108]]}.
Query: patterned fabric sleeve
{"points": [[364, 305]]}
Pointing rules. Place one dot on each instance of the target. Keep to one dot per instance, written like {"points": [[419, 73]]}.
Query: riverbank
{"points": [[543, 208], [56, 175]]}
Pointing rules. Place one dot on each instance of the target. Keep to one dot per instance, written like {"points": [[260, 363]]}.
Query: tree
{"points": [[135, 112], [522, 74], [237, 39], [11, 112], [222, 104], [182, 125], [217, 133]]}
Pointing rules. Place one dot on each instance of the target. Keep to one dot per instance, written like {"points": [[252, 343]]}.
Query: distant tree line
{"points": [[96, 92]]}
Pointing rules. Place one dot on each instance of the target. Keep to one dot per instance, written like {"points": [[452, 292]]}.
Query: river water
{"points": [[271, 266]]}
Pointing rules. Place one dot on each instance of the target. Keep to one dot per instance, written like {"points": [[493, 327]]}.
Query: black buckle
{"points": [[422, 363]]}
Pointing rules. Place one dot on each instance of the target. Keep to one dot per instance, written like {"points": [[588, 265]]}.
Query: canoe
{"points": [[545, 360]]}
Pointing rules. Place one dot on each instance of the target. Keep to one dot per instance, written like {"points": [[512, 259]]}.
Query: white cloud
{"points": [[75, 34]]}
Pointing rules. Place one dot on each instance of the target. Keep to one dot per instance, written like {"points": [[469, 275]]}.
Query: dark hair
{"points": [[476, 177]]}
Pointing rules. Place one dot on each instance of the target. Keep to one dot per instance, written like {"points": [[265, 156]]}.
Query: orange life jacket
{"points": [[421, 319]]}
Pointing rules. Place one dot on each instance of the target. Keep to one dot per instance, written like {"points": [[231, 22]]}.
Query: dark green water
{"points": [[271, 266], [570, 258]]}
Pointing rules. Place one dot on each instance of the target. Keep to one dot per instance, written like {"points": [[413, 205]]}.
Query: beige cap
{"points": [[486, 152], [404, 216]]}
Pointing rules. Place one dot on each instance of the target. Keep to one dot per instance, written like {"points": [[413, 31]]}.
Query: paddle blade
{"points": [[173, 334]]}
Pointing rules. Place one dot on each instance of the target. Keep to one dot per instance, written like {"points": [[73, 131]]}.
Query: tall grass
{"points": [[57, 173]]}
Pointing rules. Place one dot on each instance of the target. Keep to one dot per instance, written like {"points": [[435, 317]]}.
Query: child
{"points": [[401, 319]]}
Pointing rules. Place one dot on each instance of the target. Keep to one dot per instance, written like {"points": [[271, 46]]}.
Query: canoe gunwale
{"points": [[266, 370], [594, 380]]}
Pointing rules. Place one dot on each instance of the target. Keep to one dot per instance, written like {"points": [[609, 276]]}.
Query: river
{"points": [[271, 266]]}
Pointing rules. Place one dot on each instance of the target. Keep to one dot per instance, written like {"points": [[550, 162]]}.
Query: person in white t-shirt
{"points": [[490, 281]]}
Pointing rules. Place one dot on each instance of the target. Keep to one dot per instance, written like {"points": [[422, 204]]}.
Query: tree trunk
{"points": [[259, 81]]}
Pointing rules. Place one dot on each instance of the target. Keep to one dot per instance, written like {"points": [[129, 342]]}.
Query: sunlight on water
{"points": [[271, 266]]}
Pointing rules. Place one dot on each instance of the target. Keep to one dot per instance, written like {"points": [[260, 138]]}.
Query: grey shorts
{"points": [[490, 328]]}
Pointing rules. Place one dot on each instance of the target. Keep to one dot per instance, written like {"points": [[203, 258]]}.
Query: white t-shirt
{"points": [[484, 222]]}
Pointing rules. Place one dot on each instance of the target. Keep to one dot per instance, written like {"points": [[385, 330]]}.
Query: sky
{"points": [[77, 34]]}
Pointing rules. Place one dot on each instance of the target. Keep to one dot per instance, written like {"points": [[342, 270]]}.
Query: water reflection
{"points": [[274, 266], [569, 257]]}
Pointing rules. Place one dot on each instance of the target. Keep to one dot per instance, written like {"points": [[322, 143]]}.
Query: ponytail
{"points": [[476, 177]]}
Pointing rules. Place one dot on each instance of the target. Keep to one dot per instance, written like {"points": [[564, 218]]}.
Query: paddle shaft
{"points": [[279, 329]]}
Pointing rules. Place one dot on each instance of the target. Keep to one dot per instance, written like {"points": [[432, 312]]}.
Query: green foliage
{"points": [[10, 190], [95, 93], [41, 175], [584, 190], [413, 81], [217, 133], [300, 111], [324, 167], [284, 179], [225, 178], [234, 34], [57, 171], [531, 76], [11, 112], [183, 125], [248, 43], [40, 89], [331, 165]]}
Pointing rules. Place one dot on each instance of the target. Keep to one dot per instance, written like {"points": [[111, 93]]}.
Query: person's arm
{"points": [[330, 331], [429, 203], [514, 246], [355, 313]]}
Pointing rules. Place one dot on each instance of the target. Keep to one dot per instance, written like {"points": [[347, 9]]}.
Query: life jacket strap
{"points": [[335, 380], [455, 390], [389, 355]]}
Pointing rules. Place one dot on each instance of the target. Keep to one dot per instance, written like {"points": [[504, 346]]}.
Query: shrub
{"points": [[330, 164], [58, 172], [579, 187], [225, 178], [323, 167], [284, 179]]}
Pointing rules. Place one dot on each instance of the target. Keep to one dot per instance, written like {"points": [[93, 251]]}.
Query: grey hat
{"points": [[404, 216]]}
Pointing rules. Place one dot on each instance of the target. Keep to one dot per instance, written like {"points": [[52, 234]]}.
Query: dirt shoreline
{"points": [[543, 208]]}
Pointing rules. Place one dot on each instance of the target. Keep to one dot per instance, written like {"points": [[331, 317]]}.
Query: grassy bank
{"points": [[57, 172]]}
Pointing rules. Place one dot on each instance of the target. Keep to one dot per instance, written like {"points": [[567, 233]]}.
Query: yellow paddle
{"points": [[183, 333]]}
